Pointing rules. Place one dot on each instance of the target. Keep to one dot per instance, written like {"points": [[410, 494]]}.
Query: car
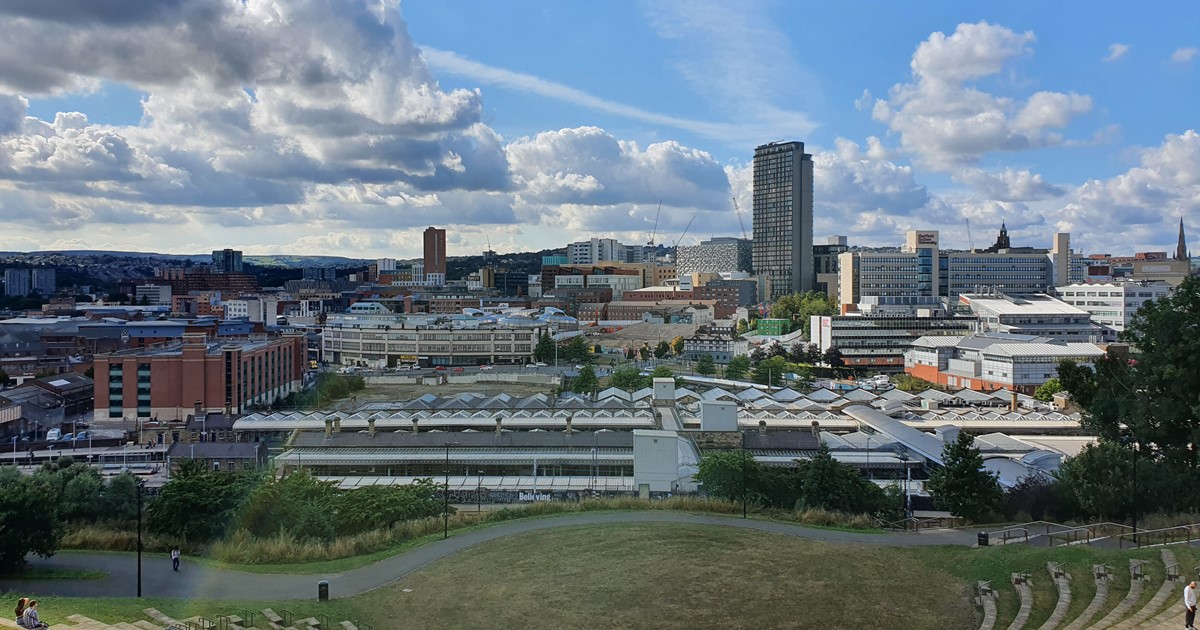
{"points": [[70, 437], [82, 435], [53, 435], [485, 367], [540, 364], [531, 365], [440, 368], [457, 370], [579, 366]]}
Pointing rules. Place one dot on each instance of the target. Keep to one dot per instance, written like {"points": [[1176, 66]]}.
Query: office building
{"points": [[17, 283], [876, 335], [168, 382], [435, 252], [1035, 315], [44, 281], [226, 261], [825, 264], [993, 361], [921, 268], [783, 217], [717, 255], [153, 294], [321, 273], [1113, 305], [597, 250]]}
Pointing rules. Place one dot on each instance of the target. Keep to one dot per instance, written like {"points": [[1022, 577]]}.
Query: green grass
{"points": [[55, 610], [46, 573]]}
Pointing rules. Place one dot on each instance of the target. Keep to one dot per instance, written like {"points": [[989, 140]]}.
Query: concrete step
{"points": [[1115, 615], [1026, 595], [1097, 604], [1062, 582]]}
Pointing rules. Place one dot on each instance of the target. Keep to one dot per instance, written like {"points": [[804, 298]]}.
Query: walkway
{"points": [[198, 581]]}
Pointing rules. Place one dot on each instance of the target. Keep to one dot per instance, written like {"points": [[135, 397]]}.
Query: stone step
{"points": [[1115, 615], [1026, 595], [272, 616], [1062, 581], [987, 599], [158, 616], [1093, 608]]}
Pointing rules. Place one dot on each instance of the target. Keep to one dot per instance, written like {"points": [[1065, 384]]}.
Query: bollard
{"points": [[983, 539], [323, 591]]}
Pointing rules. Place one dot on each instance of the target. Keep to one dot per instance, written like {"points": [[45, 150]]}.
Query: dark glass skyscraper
{"points": [[783, 217]]}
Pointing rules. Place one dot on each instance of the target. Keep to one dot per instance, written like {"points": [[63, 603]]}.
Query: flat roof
{"points": [[1024, 305]]}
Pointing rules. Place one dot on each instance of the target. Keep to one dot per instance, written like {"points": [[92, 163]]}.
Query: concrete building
{"points": [[17, 283], [44, 281], [722, 348], [167, 381], [255, 309], [376, 337], [326, 273], [1032, 314], [153, 294], [783, 216], [993, 361], [435, 253], [602, 250], [921, 268], [875, 336], [717, 255], [1112, 305], [226, 261]]}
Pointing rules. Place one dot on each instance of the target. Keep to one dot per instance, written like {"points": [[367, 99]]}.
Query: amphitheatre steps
{"points": [[1020, 582], [1062, 581], [1103, 579]]}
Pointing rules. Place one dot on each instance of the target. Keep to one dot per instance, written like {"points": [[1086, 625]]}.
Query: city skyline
{"points": [[357, 125]]}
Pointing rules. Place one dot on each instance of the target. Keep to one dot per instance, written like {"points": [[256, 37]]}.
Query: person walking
{"points": [[1189, 602], [30, 617], [175, 558]]}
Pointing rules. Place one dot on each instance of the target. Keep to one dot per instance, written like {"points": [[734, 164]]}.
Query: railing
{"points": [[1058, 570], [326, 622], [289, 617], [1009, 533], [917, 524], [1164, 536], [362, 625], [1102, 571], [247, 618], [1086, 533]]}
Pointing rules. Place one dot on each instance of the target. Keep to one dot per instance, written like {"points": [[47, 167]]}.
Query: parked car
{"points": [[458, 370], [70, 437], [485, 367], [440, 368], [579, 366], [53, 434], [540, 364], [531, 365]]}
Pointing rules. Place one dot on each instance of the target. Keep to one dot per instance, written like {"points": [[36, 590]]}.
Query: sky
{"points": [[346, 127]]}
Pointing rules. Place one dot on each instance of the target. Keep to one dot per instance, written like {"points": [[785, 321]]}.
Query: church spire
{"points": [[1181, 251]]}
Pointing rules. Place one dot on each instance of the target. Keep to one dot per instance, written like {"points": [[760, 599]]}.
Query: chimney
{"points": [[337, 423], [371, 426], [328, 428], [762, 427], [414, 420], [569, 418], [498, 425], [199, 408], [816, 430], [1014, 404]]}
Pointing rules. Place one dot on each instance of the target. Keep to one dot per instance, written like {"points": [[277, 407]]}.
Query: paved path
{"points": [[204, 581]]}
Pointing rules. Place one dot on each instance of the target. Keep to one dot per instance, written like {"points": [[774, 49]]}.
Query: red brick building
{"points": [[227, 375]]}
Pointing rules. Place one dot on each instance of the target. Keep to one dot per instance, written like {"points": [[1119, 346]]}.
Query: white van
{"points": [[54, 434]]}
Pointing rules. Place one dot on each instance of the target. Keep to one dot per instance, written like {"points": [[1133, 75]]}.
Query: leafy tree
{"points": [[705, 366], [544, 350], [829, 484], [962, 485], [119, 298], [586, 382], [1153, 397], [120, 498], [199, 505], [576, 350], [1047, 390], [1034, 498], [833, 358], [627, 377], [29, 522], [737, 368], [723, 473], [757, 355], [799, 307], [1099, 480], [644, 352], [911, 384], [770, 372], [742, 327], [377, 507], [662, 349], [5, 379], [677, 345]]}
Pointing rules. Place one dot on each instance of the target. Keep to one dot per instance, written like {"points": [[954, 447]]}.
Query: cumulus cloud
{"points": [[1008, 185], [947, 123], [1184, 55], [1116, 51]]}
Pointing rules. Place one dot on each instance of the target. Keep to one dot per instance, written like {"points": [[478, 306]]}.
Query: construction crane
{"points": [[970, 241], [655, 232], [675, 245], [738, 211]]}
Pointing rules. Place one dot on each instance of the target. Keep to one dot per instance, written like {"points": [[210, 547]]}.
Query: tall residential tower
{"points": [[435, 255], [783, 217]]}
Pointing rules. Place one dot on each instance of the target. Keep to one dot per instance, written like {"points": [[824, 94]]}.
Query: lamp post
{"points": [[743, 473], [869, 475], [446, 495], [141, 484], [479, 493], [14, 451]]}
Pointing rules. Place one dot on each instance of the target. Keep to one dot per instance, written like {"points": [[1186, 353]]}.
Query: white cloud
{"points": [[1008, 185], [1116, 51], [1184, 55], [947, 123]]}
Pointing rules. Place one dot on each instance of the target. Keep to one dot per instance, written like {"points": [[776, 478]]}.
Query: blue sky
{"points": [[534, 123]]}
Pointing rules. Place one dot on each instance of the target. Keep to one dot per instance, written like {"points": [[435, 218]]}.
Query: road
{"points": [[195, 581]]}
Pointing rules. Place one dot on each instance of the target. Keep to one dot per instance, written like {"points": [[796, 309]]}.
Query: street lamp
{"points": [[140, 486], [743, 473], [446, 494], [479, 493], [14, 451]]}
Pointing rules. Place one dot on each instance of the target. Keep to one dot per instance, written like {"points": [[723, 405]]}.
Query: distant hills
{"points": [[281, 260]]}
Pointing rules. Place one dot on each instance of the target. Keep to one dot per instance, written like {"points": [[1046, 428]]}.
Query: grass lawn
{"points": [[658, 575]]}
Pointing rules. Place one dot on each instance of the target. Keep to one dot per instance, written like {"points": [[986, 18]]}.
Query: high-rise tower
{"points": [[435, 251], [783, 217]]}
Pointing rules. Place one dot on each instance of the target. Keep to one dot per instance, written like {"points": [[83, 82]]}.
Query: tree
{"points": [[770, 372], [828, 484], [833, 358], [197, 504], [737, 368], [644, 352], [1151, 398], [1047, 390], [29, 518], [1099, 480], [742, 327], [962, 485], [724, 474], [5, 379], [628, 377], [576, 350], [545, 348], [586, 382], [799, 307], [677, 345], [911, 384], [705, 366], [662, 349]]}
